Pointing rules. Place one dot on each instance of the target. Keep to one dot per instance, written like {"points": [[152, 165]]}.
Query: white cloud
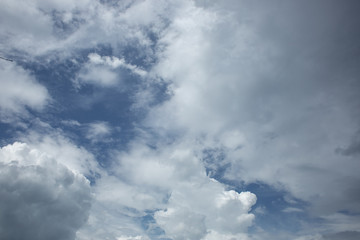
{"points": [[114, 62], [110, 221], [197, 204], [97, 131], [132, 238], [19, 89], [59, 147], [26, 27], [213, 235], [98, 76], [40, 198], [101, 71], [57, 28], [182, 223]]}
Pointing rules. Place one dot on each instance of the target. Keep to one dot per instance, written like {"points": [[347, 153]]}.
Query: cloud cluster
{"points": [[225, 214], [172, 178], [288, 120], [40, 198]]}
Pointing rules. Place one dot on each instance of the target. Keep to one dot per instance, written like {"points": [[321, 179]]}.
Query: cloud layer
{"points": [[174, 111]]}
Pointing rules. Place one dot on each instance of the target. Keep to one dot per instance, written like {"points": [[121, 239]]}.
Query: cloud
{"points": [[348, 235], [19, 89], [182, 223], [98, 76], [270, 88], [57, 146], [172, 178], [292, 210], [215, 235], [57, 29], [40, 198], [132, 238], [192, 214], [342, 222], [101, 70], [354, 147], [98, 131], [225, 67], [115, 62], [33, 28], [310, 237], [142, 179], [71, 123], [110, 221]]}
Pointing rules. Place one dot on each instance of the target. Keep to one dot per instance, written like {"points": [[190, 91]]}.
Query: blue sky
{"points": [[181, 120]]}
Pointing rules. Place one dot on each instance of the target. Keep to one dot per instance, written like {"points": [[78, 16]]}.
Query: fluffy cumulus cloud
{"points": [[191, 203], [40, 198], [59, 147], [224, 216]]}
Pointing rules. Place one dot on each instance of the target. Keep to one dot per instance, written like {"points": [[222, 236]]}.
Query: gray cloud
{"points": [[347, 235], [353, 149], [287, 69], [39, 198]]}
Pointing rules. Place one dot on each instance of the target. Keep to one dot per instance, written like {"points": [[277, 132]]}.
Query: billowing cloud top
{"points": [[40, 198]]}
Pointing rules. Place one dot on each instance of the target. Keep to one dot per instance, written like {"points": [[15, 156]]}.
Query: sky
{"points": [[179, 120]]}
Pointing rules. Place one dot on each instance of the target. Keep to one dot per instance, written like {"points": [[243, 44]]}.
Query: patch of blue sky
{"points": [[214, 162], [148, 223], [278, 213], [7, 133], [273, 210], [138, 55], [90, 103]]}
